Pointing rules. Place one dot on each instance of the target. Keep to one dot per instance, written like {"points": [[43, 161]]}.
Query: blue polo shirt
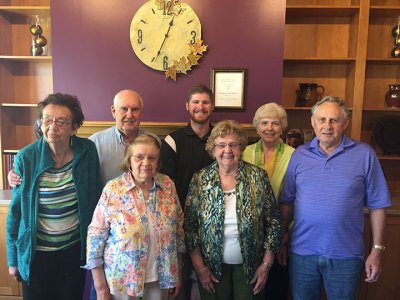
{"points": [[329, 193]]}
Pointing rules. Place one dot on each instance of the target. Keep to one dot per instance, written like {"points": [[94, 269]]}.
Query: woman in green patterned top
{"points": [[232, 225]]}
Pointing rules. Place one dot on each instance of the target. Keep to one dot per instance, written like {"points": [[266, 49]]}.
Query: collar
{"points": [[119, 135], [188, 130], [46, 160], [345, 142], [129, 183], [279, 146]]}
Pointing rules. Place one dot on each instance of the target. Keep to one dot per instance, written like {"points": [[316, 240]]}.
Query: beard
{"points": [[199, 118]]}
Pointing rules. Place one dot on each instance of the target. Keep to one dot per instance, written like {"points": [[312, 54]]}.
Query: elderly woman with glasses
{"points": [[52, 207], [232, 225], [135, 239]]}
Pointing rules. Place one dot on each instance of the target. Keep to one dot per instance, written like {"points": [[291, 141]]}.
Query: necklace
{"points": [[60, 162], [229, 193], [233, 173]]}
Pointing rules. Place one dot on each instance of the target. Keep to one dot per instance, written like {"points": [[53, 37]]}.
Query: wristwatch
{"points": [[380, 247]]}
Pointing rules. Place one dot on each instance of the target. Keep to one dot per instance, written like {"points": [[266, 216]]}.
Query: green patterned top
{"points": [[257, 216]]}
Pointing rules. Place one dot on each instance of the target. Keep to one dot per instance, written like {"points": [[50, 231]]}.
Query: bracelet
{"points": [[380, 247], [268, 265]]}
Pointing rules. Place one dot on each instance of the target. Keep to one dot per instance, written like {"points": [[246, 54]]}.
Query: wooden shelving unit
{"points": [[24, 79], [321, 47], [345, 45], [381, 70]]}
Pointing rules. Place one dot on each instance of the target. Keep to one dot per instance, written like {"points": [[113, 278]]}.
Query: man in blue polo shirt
{"points": [[328, 183]]}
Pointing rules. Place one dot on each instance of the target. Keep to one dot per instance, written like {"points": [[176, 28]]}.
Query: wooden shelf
{"points": [[8, 151], [26, 58], [388, 157], [384, 11], [299, 108], [384, 61], [321, 10], [25, 11], [21, 105], [384, 110], [320, 60]]}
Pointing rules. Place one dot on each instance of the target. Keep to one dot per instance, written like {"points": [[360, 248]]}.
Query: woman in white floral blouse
{"points": [[135, 240]]}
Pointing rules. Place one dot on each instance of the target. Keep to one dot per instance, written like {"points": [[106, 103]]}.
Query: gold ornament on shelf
{"points": [[160, 33], [39, 41], [396, 39]]}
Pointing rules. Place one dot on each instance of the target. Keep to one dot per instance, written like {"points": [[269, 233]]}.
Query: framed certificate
{"points": [[228, 87]]}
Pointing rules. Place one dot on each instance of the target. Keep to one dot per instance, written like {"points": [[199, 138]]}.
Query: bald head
{"points": [[127, 111], [126, 95]]}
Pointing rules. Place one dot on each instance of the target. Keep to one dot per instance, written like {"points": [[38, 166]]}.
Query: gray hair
{"points": [[332, 99], [143, 139], [271, 110], [223, 129]]}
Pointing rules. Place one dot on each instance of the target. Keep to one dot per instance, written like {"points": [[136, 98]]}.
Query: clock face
{"points": [[161, 36]]}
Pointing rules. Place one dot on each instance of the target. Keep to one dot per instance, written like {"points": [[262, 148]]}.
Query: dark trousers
{"points": [[277, 286], [56, 275]]}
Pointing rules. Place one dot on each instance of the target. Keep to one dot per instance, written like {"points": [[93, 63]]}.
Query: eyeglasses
{"points": [[224, 145], [60, 122], [141, 157]]}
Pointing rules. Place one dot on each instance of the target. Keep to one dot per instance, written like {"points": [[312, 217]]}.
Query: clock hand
{"points": [[165, 37]]}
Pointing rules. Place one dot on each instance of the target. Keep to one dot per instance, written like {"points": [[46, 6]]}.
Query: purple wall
{"points": [[93, 58]]}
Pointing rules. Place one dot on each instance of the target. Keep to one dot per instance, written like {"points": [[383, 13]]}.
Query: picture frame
{"points": [[229, 88]]}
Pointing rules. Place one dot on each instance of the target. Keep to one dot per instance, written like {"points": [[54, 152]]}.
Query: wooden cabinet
{"points": [[344, 45], [24, 79], [380, 71], [321, 47], [9, 288]]}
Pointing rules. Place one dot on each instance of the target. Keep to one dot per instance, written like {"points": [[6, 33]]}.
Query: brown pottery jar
{"points": [[392, 97]]}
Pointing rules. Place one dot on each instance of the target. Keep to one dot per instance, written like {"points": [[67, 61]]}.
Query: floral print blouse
{"points": [[257, 216], [118, 236]]}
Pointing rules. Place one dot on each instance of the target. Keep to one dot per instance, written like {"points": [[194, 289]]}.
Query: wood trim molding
{"points": [[160, 128]]}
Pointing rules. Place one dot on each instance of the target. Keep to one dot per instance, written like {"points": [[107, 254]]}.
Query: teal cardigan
{"points": [[30, 163]]}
